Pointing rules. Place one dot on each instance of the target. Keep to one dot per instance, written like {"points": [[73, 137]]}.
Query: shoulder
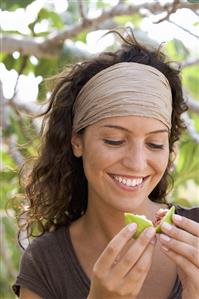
{"points": [[49, 242], [191, 213], [41, 267], [47, 239]]}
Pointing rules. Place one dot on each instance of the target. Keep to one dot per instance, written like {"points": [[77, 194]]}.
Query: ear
{"points": [[77, 145]]}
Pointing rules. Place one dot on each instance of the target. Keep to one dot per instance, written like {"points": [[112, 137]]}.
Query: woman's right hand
{"points": [[125, 278]]}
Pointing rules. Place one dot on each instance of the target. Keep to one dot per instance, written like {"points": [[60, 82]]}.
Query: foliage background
{"points": [[47, 35]]}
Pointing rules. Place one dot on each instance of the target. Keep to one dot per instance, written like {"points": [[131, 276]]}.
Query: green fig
{"points": [[142, 222], [167, 218]]}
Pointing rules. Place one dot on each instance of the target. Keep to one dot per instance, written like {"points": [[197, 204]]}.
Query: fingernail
{"points": [[164, 248], [153, 241], [132, 227], [177, 217], [164, 237], [149, 232], [166, 225]]}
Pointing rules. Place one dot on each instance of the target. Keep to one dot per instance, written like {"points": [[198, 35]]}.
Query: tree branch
{"points": [[27, 46], [193, 105], [22, 67], [11, 142], [33, 47], [189, 62], [184, 29], [119, 10], [81, 9], [50, 46], [169, 12], [4, 115], [191, 128]]}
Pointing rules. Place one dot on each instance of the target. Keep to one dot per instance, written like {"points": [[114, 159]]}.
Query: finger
{"points": [[187, 224], [110, 253], [133, 254], [179, 234], [161, 212], [138, 273], [183, 249], [187, 267]]}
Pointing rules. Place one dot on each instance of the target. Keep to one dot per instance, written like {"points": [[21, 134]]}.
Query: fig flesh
{"points": [[142, 222], [167, 218]]}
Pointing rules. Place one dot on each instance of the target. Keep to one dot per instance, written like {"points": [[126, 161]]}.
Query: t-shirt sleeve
{"points": [[191, 213], [32, 274]]}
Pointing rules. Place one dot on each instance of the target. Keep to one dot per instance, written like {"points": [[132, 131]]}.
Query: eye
{"points": [[155, 146], [113, 142]]}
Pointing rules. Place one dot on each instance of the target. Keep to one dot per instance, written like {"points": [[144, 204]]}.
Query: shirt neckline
{"points": [[75, 261]]}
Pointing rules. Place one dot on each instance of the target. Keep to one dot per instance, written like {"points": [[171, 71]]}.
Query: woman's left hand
{"points": [[181, 244]]}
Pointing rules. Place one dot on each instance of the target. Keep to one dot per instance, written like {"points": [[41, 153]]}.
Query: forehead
{"points": [[131, 123]]}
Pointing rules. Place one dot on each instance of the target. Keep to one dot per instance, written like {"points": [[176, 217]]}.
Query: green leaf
{"points": [[195, 118], [190, 79], [13, 5], [193, 1], [187, 164], [102, 5], [81, 37], [3, 56], [42, 92], [177, 50], [9, 61], [9, 184], [135, 19], [71, 54], [53, 17], [184, 202], [7, 160], [15, 63], [45, 68], [72, 12]]}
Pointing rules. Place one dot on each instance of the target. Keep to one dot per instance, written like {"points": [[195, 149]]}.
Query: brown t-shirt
{"points": [[50, 268]]}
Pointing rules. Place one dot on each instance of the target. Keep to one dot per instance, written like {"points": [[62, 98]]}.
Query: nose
{"points": [[136, 157]]}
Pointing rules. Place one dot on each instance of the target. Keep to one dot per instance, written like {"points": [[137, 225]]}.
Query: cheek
{"points": [[97, 159], [162, 161], [93, 159]]}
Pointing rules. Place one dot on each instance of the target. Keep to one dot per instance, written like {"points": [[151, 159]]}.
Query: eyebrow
{"points": [[127, 130]]}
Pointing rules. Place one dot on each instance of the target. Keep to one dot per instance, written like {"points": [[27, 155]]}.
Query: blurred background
{"points": [[38, 38]]}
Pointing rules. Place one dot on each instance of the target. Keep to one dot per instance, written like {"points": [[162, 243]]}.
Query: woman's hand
{"points": [[116, 276], [181, 244]]}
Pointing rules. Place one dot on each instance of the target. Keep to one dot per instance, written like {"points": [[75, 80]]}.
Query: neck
{"points": [[103, 223]]}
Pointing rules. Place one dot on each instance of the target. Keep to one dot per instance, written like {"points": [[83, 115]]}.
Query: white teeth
{"points": [[129, 182], [134, 183]]}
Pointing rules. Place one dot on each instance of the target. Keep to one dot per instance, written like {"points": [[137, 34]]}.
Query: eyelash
{"points": [[120, 142], [156, 146], [112, 142]]}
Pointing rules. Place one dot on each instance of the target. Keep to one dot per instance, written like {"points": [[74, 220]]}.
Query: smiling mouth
{"points": [[129, 182]]}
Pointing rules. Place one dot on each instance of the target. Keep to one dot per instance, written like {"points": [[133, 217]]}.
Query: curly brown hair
{"points": [[56, 187]]}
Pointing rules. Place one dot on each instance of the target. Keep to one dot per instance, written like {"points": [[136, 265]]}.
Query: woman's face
{"points": [[124, 158]]}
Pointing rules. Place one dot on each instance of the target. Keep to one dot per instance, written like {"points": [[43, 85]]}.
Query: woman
{"points": [[110, 132]]}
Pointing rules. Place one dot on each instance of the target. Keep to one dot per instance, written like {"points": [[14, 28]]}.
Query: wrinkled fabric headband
{"points": [[123, 89]]}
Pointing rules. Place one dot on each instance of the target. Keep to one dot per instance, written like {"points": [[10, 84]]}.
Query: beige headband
{"points": [[123, 89]]}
